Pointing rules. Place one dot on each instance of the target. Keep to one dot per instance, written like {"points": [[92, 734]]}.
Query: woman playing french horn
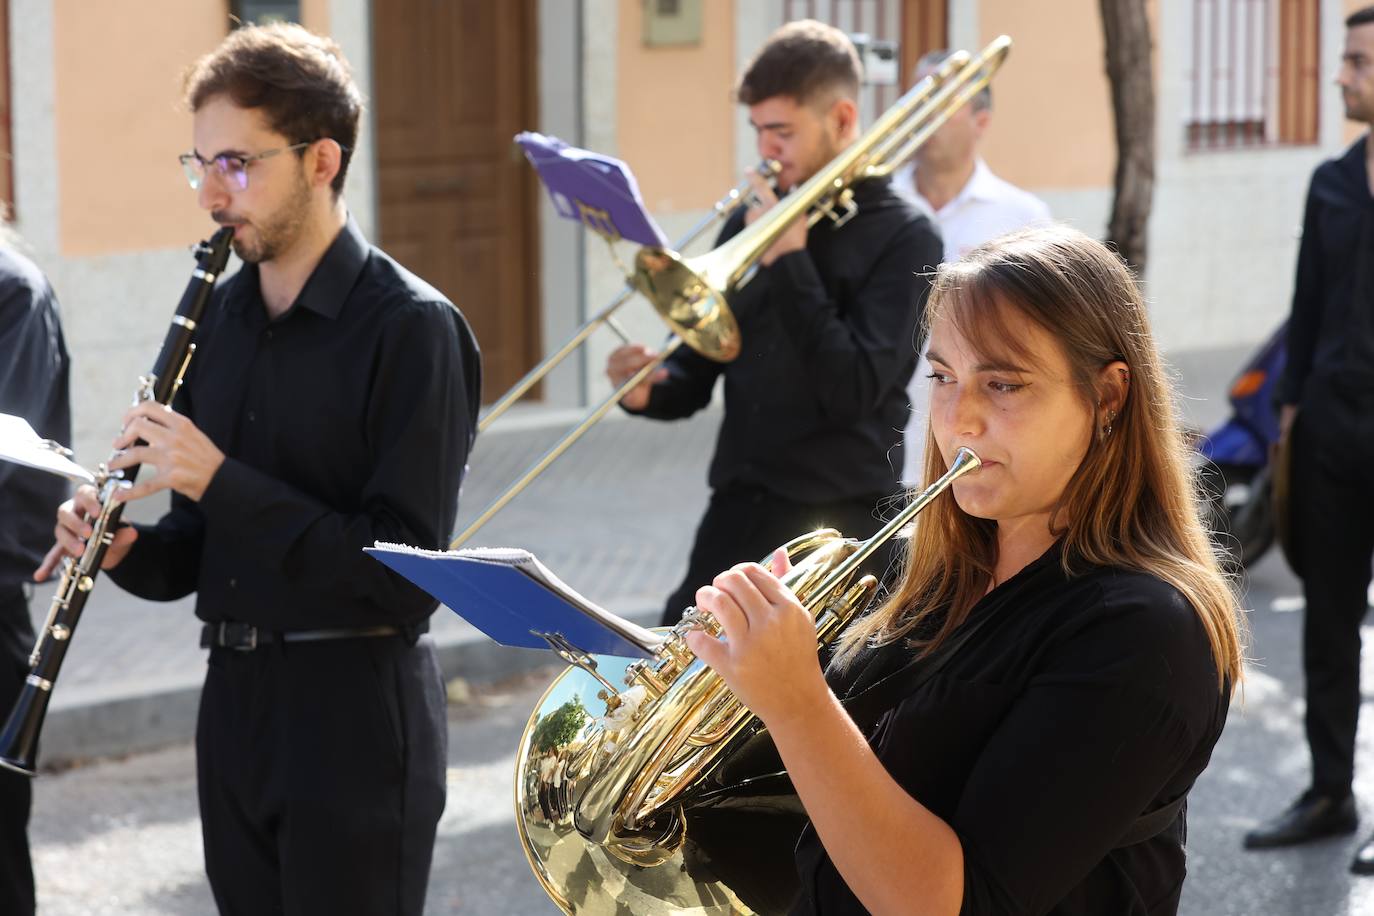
{"points": [[1014, 728]]}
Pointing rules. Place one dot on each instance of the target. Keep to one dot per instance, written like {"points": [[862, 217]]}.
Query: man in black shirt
{"points": [[331, 403], [34, 370], [816, 402], [1327, 393]]}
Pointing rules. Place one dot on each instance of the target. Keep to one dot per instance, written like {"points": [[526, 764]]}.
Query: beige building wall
{"points": [[117, 137], [667, 112], [315, 15], [675, 124], [102, 205], [1051, 130], [1052, 120]]}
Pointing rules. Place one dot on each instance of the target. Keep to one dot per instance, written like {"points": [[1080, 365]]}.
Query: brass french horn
{"points": [[635, 780]]}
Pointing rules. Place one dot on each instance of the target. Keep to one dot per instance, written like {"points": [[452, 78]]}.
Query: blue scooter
{"points": [[1235, 470]]}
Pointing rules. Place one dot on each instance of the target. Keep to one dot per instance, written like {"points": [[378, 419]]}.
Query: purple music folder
{"points": [[597, 191]]}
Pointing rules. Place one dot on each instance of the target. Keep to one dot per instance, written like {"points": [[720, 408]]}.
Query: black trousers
{"points": [[1332, 493], [745, 524], [321, 772], [16, 791]]}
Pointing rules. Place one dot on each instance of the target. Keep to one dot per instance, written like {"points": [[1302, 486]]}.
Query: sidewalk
{"points": [[615, 516]]}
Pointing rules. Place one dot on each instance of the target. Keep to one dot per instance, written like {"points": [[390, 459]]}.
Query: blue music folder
{"points": [[516, 600]]}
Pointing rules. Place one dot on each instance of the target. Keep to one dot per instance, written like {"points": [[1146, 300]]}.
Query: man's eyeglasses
{"points": [[233, 170]]}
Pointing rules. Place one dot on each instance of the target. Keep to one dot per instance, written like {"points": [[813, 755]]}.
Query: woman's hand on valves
{"points": [[767, 653]]}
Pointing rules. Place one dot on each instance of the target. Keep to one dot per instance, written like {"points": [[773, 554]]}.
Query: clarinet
{"points": [[19, 739]]}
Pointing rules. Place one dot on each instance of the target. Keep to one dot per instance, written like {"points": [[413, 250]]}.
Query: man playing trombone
{"points": [[815, 403]]}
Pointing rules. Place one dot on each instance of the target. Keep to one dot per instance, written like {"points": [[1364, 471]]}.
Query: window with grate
{"points": [[1255, 78], [265, 11], [916, 26]]}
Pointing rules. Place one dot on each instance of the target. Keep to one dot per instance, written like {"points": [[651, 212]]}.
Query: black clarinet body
{"points": [[19, 738]]}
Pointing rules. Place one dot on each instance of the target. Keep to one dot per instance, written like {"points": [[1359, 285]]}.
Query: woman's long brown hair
{"points": [[1132, 502]]}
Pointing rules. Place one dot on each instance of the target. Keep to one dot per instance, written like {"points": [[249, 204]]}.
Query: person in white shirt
{"points": [[948, 179]]}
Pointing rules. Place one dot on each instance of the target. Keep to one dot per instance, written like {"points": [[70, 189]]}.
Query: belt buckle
{"points": [[237, 645]]}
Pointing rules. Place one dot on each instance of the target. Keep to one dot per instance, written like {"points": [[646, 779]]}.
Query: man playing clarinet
{"points": [[332, 403]]}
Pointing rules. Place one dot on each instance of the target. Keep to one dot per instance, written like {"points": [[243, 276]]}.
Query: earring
{"points": [[1107, 430]]}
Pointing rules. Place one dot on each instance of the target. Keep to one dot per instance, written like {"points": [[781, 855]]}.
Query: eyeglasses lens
{"points": [[230, 169], [234, 171], [195, 171]]}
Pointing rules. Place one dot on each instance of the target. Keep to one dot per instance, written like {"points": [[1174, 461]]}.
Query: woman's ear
{"points": [[1114, 383]]}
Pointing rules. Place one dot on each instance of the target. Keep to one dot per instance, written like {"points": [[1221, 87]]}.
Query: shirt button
{"points": [[252, 417], [233, 583], [270, 333]]}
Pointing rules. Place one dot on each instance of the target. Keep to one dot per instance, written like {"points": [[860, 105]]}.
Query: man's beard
{"points": [[826, 152], [275, 233], [1358, 109]]}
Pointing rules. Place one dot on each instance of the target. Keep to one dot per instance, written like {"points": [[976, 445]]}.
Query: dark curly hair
{"points": [[806, 60], [299, 80]]}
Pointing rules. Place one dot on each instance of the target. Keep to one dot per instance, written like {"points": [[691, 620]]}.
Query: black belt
{"points": [[245, 637]]}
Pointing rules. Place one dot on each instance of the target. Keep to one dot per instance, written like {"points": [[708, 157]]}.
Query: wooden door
{"points": [[925, 28], [917, 26], [454, 81]]}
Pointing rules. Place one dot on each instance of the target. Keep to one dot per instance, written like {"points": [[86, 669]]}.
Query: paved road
{"points": [[1260, 765], [122, 836]]}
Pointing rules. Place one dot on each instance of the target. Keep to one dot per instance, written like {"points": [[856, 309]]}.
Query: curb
{"points": [[115, 720]]}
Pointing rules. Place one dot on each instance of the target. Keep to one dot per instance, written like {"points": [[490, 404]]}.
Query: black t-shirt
{"points": [[1082, 703]]}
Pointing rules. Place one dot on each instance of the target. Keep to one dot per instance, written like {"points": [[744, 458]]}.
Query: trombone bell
{"points": [[689, 303]]}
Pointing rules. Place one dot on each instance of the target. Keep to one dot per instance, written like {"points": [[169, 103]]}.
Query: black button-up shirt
{"points": [[1083, 703], [816, 402], [34, 369], [346, 420], [1331, 334]]}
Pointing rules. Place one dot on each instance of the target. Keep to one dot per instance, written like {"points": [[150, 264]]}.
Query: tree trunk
{"points": [[1126, 33]]}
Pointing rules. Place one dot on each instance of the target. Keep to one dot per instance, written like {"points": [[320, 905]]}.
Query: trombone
{"points": [[690, 294], [720, 211]]}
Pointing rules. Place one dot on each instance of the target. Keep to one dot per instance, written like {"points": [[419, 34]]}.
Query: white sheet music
{"points": [[21, 444]]}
